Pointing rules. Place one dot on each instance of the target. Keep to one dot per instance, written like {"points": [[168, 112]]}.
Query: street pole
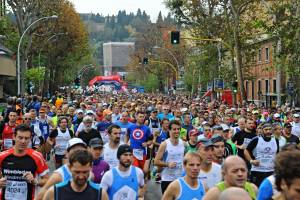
{"points": [[48, 40], [19, 45]]}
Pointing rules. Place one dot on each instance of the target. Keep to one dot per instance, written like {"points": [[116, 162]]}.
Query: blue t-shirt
{"points": [[138, 135], [102, 126], [162, 116], [124, 128], [265, 190], [163, 135]]}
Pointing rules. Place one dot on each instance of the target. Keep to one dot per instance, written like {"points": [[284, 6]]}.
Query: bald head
{"points": [[234, 193], [233, 160]]}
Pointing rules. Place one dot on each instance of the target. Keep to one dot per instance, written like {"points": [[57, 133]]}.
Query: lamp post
{"points": [[19, 45], [49, 39]]}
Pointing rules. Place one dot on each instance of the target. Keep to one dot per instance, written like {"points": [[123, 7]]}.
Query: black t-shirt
{"points": [[64, 191], [54, 133], [13, 168], [228, 150], [293, 139], [86, 137], [243, 137], [252, 145]]}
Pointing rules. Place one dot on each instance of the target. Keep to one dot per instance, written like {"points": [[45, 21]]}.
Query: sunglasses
{"points": [[27, 118]]}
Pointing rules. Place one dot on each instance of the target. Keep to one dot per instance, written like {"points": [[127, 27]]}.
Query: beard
{"points": [[80, 182], [116, 140], [125, 164]]}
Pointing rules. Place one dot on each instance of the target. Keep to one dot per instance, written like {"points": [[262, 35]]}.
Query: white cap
{"points": [[75, 141], [276, 115], [79, 111], [90, 112], [184, 109], [225, 127], [296, 115]]}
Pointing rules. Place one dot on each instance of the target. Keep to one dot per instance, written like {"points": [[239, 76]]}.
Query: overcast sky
{"points": [[105, 7]]}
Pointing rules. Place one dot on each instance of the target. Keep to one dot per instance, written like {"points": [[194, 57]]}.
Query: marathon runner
{"points": [[79, 187], [22, 168]]}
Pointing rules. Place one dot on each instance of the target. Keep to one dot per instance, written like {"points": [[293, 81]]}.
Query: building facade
{"points": [[7, 70], [116, 56], [262, 87]]}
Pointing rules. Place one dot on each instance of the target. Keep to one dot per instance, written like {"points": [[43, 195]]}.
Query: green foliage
{"points": [[9, 31], [35, 75]]}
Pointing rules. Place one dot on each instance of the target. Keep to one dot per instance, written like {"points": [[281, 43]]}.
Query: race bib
{"points": [[60, 149], [16, 190], [138, 153], [7, 143]]}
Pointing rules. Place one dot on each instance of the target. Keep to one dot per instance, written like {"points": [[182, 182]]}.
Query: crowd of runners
{"points": [[109, 146]]}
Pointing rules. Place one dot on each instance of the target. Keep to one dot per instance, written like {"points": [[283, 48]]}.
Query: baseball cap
{"points": [[276, 115], [124, 148], [74, 142], [193, 132], [90, 112], [225, 127], [266, 125], [96, 142], [296, 115], [288, 125], [79, 111], [205, 142], [218, 127], [217, 138]]}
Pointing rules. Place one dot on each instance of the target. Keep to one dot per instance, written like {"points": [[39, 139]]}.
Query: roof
{"points": [[4, 50]]}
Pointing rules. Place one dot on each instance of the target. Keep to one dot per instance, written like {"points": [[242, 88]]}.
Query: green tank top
{"points": [[233, 146], [248, 187]]}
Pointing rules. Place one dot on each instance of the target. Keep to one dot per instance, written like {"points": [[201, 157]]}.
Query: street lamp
{"points": [[48, 40], [19, 45]]}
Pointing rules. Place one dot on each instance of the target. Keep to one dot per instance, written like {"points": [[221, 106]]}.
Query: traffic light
{"points": [[235, 87], [175, 37], [77, 81], [145, 61]]}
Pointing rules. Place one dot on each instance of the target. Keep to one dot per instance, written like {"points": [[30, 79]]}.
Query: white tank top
{"points": [[110, 155], [173, 154], [61, 142], [265, 152]]}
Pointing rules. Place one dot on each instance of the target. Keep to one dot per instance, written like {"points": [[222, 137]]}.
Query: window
{"points": [[259, 55], [267, 54], [259, 86], [274, 86], [267, 86]]}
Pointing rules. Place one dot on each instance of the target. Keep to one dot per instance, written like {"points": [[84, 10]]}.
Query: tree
{"points": [[25, 12], [214, 19], [159, 20]]}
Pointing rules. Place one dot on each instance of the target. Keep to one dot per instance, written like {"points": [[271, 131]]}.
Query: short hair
{"points": [[190, 155], [163, 120], [22, 128], [82, 156], [62, 118], [287, 167], [176, 122], [87, 118], [140, 112], [111, 127]]}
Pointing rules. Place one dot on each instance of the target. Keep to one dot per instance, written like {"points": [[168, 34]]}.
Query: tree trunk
{"points": [[239, 71]]}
